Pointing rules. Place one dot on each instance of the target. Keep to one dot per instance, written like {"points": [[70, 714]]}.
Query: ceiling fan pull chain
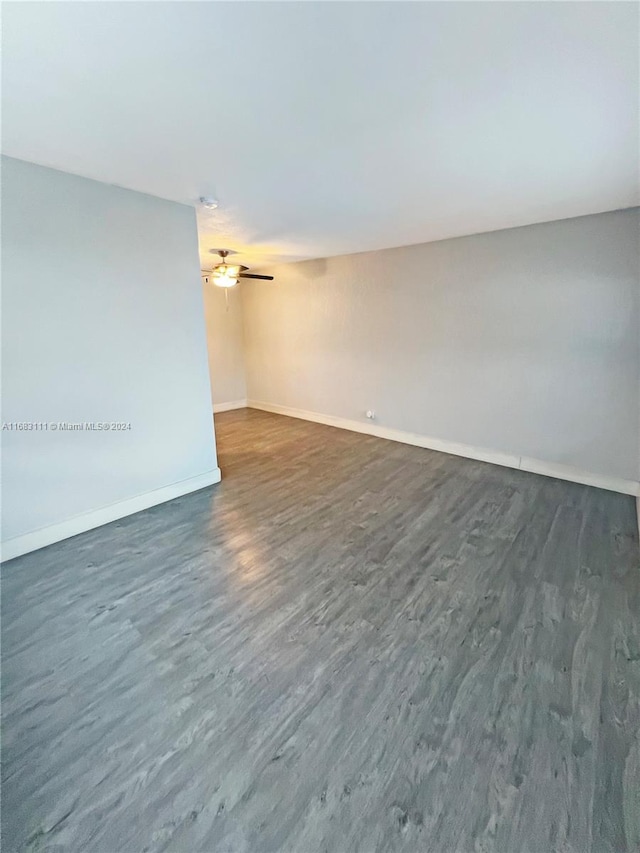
{"points": [[226, 297]]}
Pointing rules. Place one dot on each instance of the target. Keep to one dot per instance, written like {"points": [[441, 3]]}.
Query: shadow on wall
{"points": [[313, 269]]}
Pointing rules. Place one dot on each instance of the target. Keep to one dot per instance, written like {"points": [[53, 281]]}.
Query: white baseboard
{"points": [[508, 460], [227, 407], [96, 518]]}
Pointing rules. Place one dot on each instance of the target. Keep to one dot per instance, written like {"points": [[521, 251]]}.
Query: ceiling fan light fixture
{"points": [[223, 280]]}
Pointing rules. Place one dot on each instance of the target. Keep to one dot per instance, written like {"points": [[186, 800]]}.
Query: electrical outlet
{"points": [[371, 414]]}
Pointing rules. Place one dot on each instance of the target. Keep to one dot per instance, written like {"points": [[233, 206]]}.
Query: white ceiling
{"points": [[326, 128]]}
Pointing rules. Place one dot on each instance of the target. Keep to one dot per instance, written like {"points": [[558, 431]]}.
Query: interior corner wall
{"points": [[225, 344], [102, 321], [524, 341]]}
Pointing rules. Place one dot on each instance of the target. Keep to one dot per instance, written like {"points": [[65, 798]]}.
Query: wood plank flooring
{"points": [[348, 645]]}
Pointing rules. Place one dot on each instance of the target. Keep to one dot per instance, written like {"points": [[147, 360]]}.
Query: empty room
{"points": [[320, 427]]}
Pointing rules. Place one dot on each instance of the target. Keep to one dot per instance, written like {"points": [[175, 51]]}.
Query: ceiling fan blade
{"points": [[252, 275]]}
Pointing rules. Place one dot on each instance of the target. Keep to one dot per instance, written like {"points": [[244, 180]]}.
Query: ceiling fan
{"points": [[227, 275]]}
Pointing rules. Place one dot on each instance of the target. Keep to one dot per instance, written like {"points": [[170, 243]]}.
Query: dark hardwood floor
{"points": [[348, 645]]}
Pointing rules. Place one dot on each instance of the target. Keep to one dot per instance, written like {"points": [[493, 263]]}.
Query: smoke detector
{"points": [[208, 202]]}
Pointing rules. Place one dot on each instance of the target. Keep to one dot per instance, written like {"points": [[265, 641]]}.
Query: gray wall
{"points": [[525, 341], [94, 330], [225, 343]]}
